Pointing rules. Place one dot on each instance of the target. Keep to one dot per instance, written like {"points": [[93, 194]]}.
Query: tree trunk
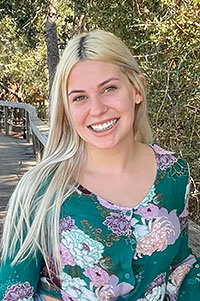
{"points": [[79, 18], [52, 41]]}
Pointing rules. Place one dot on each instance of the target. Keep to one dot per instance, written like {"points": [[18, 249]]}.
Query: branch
{"points": [[166, 91], [138, 7], [193, 108], [9, 90]]}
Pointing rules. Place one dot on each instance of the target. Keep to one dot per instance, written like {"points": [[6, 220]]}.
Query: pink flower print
{"points": [[179, 274], [148, 212], [19, 291], [175, 224], [157, 289], [184, 213], [120, 289], [105, 293], [158, 281], [118, 223], [66, 297], [183, 218], [160, 232], [183, 222], [97, 275], [66, 256], [67, 223], [164, 158], [51, 274], [161, 151]]}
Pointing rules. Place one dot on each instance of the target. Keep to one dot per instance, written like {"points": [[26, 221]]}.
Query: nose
{"points": [[97, 106]]}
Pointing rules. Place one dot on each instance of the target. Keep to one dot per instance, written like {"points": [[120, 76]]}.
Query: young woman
{"points": [[104, 215]]}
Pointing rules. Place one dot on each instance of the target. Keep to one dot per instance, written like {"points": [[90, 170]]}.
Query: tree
{"points": [[22, 50], [51, 40]]}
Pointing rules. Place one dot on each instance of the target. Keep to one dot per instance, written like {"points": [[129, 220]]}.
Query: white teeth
{"points": [[105, 126]]}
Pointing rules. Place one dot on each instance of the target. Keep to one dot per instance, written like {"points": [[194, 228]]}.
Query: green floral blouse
{"points": [[112, 252]]}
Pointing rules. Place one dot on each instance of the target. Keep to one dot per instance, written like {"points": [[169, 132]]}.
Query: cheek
{"points": [[126, 105], [77, 116]]}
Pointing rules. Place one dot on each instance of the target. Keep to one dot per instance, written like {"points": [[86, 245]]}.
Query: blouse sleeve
{"points": [[19, 281], [184, 279]]}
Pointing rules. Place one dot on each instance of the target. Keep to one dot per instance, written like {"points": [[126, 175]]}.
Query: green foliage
{"points": [[23, 51], [26, 15], [64, 22]]}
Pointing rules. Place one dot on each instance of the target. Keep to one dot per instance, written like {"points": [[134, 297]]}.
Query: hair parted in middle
{"points": [[103, 46]]}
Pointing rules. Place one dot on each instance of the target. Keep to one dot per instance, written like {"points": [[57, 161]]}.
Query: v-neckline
{"points": [[113, 206]]}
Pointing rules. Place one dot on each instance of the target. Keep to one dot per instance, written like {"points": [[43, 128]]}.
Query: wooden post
{"points": [[6, 126], [11, 120], [1, 117], [27, 126], [24, 123], [34, 143]]}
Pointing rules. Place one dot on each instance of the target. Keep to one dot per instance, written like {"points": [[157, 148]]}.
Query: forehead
{"points": [[92, 71]]}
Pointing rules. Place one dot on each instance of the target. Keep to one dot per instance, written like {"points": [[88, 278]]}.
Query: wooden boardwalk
{"points": [[16, 157]]}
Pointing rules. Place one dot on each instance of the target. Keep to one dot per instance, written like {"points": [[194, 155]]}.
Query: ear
{"points": [[138, 94]]}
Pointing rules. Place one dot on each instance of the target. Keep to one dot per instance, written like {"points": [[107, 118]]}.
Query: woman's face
{"points": [[102, 103]]}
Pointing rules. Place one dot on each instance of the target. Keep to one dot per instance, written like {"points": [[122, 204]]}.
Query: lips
{"points": [[101, 127]]}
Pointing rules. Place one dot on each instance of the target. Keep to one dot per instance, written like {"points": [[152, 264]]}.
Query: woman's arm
{"points": [[184, 279], [20, 280]]}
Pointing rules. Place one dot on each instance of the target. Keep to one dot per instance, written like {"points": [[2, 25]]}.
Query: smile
{"points": [[104, 126]]}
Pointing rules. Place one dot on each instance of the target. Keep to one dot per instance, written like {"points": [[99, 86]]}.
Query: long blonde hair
{"points": [[32, 221]]}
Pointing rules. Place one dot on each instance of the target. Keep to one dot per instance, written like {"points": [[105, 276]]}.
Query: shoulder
{"points": [[174, 177], [172, 163]]}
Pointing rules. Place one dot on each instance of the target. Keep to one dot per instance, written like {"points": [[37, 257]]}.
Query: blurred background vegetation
{"points": [[163, 35]]}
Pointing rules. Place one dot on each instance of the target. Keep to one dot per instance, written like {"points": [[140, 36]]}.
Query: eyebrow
{"points": [[76, 91], [107, 81], [99, 85]]}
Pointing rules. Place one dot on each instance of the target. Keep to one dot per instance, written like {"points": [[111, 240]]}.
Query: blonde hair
{"points": [[34, 208]]}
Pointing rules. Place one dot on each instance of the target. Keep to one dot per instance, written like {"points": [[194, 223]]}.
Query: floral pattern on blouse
{"points": [[19, 292], [165, 159], [85, 251], [78, 249], [75, 289], [156, 290], [161, 230], [118, 223], [106, 249], [178, 274]]}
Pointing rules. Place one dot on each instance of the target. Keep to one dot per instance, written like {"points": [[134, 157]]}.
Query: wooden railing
{"points": [[21, 116]]}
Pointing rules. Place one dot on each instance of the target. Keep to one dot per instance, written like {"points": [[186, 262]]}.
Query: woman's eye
{"points": [[110, 89], [79, 98]]}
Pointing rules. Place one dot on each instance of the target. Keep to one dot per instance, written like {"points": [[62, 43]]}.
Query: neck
{"points": [[106, 161]]}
